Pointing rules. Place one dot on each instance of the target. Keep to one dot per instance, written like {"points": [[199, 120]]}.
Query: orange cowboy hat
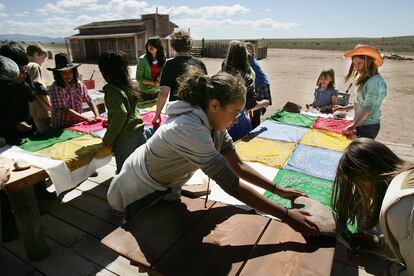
{"points": [[366, 50]]}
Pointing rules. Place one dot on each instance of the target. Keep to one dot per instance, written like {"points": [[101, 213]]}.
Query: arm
{"points": [[334, 98], [162, 99], [260, 104]]}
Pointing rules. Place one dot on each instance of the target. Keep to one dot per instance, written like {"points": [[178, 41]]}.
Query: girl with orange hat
{"points": [[371, 90]]}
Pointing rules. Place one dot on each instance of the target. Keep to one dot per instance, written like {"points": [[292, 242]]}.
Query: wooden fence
{"points": [[219, 50]]}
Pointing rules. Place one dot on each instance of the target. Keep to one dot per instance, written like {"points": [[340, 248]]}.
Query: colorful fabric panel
{"points": [[314, 161], [296, 119], [44, 140], [316, 188], [268, 152], [326, 139], [77, 152], [147, 106], [149, 116], [274, 130], [86, 127], [331, 124]]}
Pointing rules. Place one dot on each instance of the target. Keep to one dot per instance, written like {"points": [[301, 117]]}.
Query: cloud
{"points": [[55, 26], [208, 11], [2, 14], [21, 14]]}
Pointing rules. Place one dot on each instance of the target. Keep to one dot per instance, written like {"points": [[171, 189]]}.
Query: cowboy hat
{"points": [[8, 69], [62, 63], [366, 50]]}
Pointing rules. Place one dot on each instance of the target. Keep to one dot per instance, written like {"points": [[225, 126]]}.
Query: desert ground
{"points": [[293, 75]]}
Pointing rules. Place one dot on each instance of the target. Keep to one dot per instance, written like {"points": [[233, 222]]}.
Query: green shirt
{"points": [[124, 120], [144, 73], [370, 99]]}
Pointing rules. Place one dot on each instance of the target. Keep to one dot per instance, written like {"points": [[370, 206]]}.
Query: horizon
{"points": [[298, 19]]}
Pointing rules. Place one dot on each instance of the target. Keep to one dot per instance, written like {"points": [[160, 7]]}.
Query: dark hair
{"points": [[15, 52], [197, 88], [114, 69], [326, 73], [57, 76], [160, 56], [237, 58], [35, 48], [364, 160], [181, 41], [370, 70]]}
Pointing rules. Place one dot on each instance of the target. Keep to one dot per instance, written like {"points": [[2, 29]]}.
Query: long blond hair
{"points": [[370, 69]]}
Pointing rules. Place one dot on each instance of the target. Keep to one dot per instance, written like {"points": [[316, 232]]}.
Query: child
{"points": [[373, 185], [125, 129], [149, 69], [68, 95], [261, 85], [40, 109], [371, 91], [326, 94], [195, 137]]}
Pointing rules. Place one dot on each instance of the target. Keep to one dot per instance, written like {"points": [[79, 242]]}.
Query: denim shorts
{"points": [[368, 131]]}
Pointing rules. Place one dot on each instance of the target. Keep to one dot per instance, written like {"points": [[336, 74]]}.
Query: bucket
{"points": [[90, 84]]}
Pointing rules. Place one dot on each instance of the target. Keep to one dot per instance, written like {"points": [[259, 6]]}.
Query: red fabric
{"points": [[155, 71], [86, 127], [331, 124], [149, 116]]}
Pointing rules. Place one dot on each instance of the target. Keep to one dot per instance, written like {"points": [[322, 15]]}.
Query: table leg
{"points": [[26, 213]]}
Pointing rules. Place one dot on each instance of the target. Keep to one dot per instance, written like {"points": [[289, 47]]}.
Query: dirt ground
{"points": [[293, 75]]}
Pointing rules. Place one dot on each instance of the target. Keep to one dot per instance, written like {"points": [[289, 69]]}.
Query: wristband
{"points": [[286, 215]]}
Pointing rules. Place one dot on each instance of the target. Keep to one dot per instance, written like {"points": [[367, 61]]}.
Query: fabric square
{"points": [[326, 139], [296, 119], [316, 188], [86, 127], [268, 152], [274, 130], [149, 116], [314, 161], [77, 152], [331, 124], [147, 106]]}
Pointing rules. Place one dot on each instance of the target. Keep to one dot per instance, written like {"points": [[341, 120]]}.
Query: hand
{"points": [[157, 83], [4, 175], [349, 129], [23, 127], [157, 119], [98, 118], [299, 221], [338, 108], [90, 120], [289, 193], [105, 123]]}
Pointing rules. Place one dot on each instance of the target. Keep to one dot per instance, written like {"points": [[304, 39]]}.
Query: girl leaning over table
{"points": [[195, 136]]}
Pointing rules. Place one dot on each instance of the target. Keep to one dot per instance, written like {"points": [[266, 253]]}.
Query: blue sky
{"points": [[220, 19]]}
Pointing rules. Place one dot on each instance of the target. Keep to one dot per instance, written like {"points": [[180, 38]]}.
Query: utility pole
{"points": [[156, 21]]}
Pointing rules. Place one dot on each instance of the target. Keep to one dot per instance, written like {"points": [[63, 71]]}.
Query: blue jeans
{"points": [[123, 147], [368, 131]]}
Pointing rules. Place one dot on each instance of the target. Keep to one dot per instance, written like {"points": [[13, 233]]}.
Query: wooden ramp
{"points": [[75, 226]]}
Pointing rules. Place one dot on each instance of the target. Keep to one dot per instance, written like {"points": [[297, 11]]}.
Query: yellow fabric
{"points": [[77, 152], [325, 139], [269, 152]]}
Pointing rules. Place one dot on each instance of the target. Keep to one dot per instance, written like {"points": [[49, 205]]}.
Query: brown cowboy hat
{"points": [[366, 50], [62, 63]]}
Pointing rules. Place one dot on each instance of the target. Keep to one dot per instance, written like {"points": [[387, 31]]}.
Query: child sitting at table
{"points": [[125, 129], [68, 95], [326, 94]]}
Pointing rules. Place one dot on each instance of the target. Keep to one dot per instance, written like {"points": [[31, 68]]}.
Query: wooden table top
{"points": [[22, 179], [184, 238]]}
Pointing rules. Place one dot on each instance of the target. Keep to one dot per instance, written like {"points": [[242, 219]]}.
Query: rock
{"points": [[20, 165]]}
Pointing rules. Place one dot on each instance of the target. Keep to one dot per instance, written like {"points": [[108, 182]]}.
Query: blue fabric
{"points": [[273, 130], [241, 129], [324, 97], [261, 78], [314, 161]]}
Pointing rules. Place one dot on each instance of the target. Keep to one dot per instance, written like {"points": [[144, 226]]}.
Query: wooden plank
{"points": [[60, 231], [282, 251], [68, 262], [90, 248], [12, 265], [93, 188], [146, 237], [22, 179], [218, 244]]}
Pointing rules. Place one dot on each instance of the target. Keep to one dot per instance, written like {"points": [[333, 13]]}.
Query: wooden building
{"points": [[128, 35]]}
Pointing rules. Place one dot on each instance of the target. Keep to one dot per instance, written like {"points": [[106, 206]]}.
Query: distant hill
{"points": [[31, 38]]}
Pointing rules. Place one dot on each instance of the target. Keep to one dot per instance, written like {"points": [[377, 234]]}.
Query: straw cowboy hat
{"points": [[366, 50], [62, 63], [8, 69]]}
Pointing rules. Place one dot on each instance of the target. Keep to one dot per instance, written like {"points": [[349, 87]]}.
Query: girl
{"points": [[68, 95], [373, 185], [149, 68], [371, 91], [325, 94], [237, 62], [125, 129], [195, 137]]}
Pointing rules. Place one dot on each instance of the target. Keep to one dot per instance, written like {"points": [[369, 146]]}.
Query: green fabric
{"points": [[144, 73], [370, 99], [44, 140], [316, 188], [295, 119], [123, 116]]}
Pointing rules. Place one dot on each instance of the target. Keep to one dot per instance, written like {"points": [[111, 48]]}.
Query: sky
{"points": [[219, 19]]}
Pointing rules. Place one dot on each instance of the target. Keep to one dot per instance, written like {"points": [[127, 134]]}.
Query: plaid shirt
{"points": [[73, 97]]}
